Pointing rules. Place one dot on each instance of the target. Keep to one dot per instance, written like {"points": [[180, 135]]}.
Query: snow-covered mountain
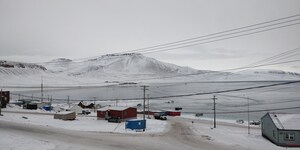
{"points": [[122, 67], [128, 64]]}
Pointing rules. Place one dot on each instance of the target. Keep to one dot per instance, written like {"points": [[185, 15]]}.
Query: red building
{"points": [[174, 113], [4, 98], [123, 113]]}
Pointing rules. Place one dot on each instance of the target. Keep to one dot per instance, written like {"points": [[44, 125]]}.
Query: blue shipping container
{"points": [[135, 124], [47, 108]]}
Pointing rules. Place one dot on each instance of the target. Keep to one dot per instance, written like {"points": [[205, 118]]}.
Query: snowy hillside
{"points": [[122, 67], [10, 68], [11, 64], [265, 74], [131, 63]]}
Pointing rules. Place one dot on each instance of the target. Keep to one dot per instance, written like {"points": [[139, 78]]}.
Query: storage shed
{"points": [[135, 124], [174, 113], [123, 113], [281, 129], [66, 115]]}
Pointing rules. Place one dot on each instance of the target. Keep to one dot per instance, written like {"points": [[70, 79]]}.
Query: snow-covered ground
{"points": [[82, 123], [227, 132], [14, 141], [236, 137]]}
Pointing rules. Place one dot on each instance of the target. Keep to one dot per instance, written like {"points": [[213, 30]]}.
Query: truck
{"points": [[159, 116]]}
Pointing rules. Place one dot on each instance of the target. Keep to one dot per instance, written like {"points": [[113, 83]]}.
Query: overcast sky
{"points": [[41, 30]]}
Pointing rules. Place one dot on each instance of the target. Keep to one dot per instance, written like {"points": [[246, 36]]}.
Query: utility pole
{"points": [[51, 100], [69, 101], [148, 106], [248, 116], [214, 111], [144, 89], [94, 104], [42, 90], [0, 102]]}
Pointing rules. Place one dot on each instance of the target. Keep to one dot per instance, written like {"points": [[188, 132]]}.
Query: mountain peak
{"points": [[61, 60], [107, 56]]}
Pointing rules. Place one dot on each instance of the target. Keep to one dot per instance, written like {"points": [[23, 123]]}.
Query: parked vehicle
{"points": [[240, 121], [85, 112], [159, 116], [254, 123], [114, 119], [178, 108], [199, 114]]}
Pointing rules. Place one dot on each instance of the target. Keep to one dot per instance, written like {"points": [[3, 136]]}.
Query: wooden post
{"points": [[215, 124]]}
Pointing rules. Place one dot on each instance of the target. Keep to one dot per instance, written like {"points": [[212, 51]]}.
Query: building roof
{"points": [[65, 112], [118, 108], [286, 121]]}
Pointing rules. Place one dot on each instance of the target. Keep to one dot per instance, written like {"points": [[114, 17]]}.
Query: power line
{"points": [[231, 90], [280, 56], [260, 110], [217, 33], [192, 94], [221, 39], [222, 71], [196, 42], [158, 47]]}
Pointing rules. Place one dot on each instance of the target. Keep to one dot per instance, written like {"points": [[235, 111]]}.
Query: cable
{"points": [[217, 33], [185, 95], [253, 25], [260, 110], [190, 43], [276, 56], [221, 39]]}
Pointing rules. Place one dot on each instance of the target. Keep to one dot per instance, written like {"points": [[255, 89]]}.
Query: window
{"points": [[274, 134], [289, 137]]}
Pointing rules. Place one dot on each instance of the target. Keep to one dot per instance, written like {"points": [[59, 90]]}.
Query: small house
{"points": [[77, 109], [91, 105], [66, 115], [281, 129], [123, 113]]}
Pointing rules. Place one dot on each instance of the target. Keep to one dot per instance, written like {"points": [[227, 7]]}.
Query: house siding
{"points": [[128, 113], [290, 143], [269, 129], [101, 114]]}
